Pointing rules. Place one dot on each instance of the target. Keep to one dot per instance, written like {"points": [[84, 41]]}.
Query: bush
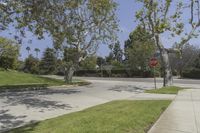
{"points": [[5, 88], [113, 73], [191, 73], [31, 65]]}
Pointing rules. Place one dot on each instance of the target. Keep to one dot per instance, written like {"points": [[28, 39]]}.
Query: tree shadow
{"points": [[8, 121], [128, 88], [25, 129], [35, 99]]}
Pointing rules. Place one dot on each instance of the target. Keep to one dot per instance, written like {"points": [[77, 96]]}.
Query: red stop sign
{"points": [[153, 62]]}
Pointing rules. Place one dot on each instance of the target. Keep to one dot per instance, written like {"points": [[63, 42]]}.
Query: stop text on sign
{"points": [[153, 62]]}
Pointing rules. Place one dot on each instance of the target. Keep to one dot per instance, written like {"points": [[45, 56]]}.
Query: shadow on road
{"points": [[128, 88], [8, 121], [33, 99]]}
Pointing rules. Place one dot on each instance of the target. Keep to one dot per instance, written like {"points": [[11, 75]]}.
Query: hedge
{"points": [[24, 87], [191, 73], [113, 73]]}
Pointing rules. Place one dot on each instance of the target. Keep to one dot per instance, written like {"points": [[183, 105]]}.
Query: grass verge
{"points": [[113, 117], [165, 90], [18, 80]]}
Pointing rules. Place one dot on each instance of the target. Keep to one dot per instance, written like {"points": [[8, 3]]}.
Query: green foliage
{"points": [[89, 63], [80, 25], [117, 52], [116, 65], [170, 17], [9, 53], [22, 87], [197, 61], [139, 48], [70, 55], [48, 62], [193, 70], [31, 65], [109, 58], [101, 61], [113, 117], [115, 72], [37, 50], [191, 73], [189, 59]]}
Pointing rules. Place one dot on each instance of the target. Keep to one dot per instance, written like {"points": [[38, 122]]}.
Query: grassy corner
{"points": [[18, 80], [165, 90], [113, 117]]}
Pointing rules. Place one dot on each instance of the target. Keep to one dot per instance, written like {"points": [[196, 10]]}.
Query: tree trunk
{"points": [[69, 72], [168, 78], [164, 55]]}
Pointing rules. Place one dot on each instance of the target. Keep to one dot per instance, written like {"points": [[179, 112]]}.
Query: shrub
{"points": [[113, 73], [191, 73]]}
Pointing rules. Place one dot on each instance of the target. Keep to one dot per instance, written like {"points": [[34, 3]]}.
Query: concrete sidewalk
{"points": [[182, 116]]}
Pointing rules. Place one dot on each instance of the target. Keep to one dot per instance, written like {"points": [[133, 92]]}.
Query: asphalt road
{"points": [[148, 80], [19, 108]]}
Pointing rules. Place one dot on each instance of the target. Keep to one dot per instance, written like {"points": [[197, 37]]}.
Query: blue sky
{"points": [[125, 14]]}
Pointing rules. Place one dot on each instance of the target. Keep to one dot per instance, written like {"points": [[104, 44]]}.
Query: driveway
{"points": [[19, 108]]}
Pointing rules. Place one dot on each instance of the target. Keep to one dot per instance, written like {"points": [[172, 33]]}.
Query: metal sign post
{"points": [[153, 63], [154, 77]]}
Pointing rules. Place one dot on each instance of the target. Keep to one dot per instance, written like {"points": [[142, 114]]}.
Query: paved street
{"points": [[19, 108], [184, 82]]}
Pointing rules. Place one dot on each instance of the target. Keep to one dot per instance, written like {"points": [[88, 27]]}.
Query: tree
{"points": [[197, 61], [116, 65], [189, 58], [28, 49], [117, 52], [100, 61], [89, 63], [109, 58], [159, 17], [31, 65], [77, 24], [9, 53], [139, 48], [48, 62], [37, 50]]}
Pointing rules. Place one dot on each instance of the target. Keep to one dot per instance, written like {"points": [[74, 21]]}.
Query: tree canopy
{"points": [[78, 24], [9, 53], [139, 48], [167, 16]]}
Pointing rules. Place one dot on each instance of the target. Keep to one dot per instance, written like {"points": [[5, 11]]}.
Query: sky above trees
{"points": [[126, 15]]}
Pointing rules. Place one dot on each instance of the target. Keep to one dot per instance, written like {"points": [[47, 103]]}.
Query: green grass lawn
{"points": [[14, 79], [165, 90], [113, 117]]}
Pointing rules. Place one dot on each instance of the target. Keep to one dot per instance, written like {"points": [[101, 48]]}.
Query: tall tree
{"points": [[9, 53], [31, 65], [48, 62], [78, 24], [139, 48], [109, 58], [197, 61], [189, 58], [101, 61], [37, 50], [117, 51], [167, 16], [28, 49]]}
